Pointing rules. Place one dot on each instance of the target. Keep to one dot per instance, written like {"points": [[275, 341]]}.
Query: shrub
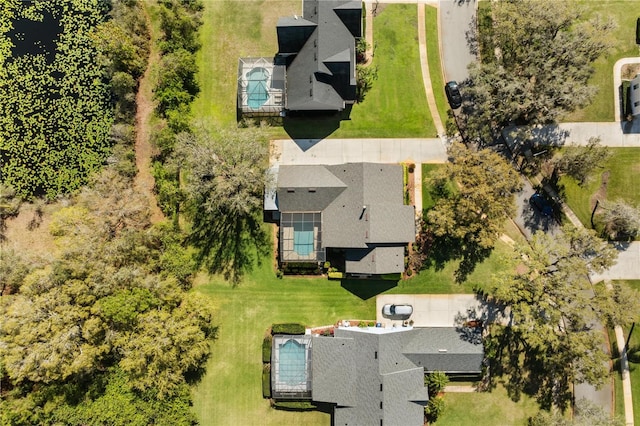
{"points": [[287, 328], [336, 275], [434, 409], [294, 405], [435, 382], [266, 348], [266, 381]]}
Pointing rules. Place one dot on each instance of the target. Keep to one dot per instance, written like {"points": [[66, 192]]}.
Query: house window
{"points": [[312, 190], [635, 87], [380, 387], [291, 190]]}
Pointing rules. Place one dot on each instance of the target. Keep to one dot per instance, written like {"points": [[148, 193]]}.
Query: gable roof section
{"points": [[381, 384], [322, 74], [307, 188], [369, 187], [444, 349], [376, 260]]}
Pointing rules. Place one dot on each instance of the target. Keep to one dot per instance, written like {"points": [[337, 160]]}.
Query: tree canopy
{"points": [[539, 68], [474, 196], [112, 304], [225, 182], [553, 340]]}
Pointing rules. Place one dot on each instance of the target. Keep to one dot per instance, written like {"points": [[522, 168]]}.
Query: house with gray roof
{"points": [[319, 50], [315, 67], [351, 212], [375, 376]]}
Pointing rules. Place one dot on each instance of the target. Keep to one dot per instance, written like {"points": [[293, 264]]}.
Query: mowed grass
{"points": [[433, 57], [486, 409], [633, 355], [624, 174], [232, 29], [602, 108], [395, 107], [230, 392]]}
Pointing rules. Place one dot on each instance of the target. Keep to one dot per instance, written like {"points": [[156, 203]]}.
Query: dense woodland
{"points": [[105, 330]]}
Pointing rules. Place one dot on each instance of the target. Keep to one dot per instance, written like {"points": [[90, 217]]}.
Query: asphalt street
{"points": [[457, 19]]}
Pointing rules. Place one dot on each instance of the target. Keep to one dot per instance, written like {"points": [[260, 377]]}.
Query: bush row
{"points": [[287, 328], [294, 405], [266, 348], [266, 380]]}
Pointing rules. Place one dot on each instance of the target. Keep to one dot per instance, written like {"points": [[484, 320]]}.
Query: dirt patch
{"points": [[28, 232], [601, 193], [144, 180], [629, 71]]}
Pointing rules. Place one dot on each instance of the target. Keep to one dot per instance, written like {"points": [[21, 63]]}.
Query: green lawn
{"points": [[633, 355], [486, 409], [624, 175], [395, 107], [433, 56], [602, 108], [230, 391]]}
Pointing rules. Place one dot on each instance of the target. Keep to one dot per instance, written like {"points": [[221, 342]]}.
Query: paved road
{"points": [[456, 19], [528, 218]]}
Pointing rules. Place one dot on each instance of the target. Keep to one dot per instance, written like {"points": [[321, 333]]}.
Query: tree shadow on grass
{"points": [[446, 249], [229, 245], [366, 289]]}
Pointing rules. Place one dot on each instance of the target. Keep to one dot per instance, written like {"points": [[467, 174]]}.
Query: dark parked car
{"points": [[453, 94], [541, 204]]}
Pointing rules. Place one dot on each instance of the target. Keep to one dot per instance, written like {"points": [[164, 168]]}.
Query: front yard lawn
{"points": [[602, 108], [623, 169], [486, 409], [633, 355]]}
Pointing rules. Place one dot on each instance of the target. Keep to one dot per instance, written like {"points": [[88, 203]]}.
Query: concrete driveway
{"points": [[457, 18], [340, 151], [437, 310], [627, 267]]}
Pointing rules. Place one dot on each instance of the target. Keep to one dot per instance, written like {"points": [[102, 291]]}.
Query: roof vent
{"points": [[291, 190], [312, 190]]}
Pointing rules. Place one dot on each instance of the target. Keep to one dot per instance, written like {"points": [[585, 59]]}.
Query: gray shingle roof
{"points": [[362, 208], [322, 74], [381, 384], [444, 349]]}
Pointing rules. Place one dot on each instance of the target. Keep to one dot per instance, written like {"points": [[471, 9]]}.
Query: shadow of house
{"points": [[314, 71], [356, 211]]}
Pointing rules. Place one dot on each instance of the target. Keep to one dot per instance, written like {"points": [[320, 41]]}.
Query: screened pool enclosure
{"points": [[261, 87]]}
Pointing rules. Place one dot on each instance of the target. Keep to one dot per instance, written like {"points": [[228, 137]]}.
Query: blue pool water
{"points": [[292, 363], [303, 238], [257, 92]]}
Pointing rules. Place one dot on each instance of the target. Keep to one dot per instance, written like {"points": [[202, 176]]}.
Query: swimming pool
{"points": [[257, 92], [292, 363], [303, 238]]}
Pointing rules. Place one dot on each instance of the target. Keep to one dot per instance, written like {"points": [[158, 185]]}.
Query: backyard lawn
{"points": [[395, 107], [601, 109], [623, 169]]}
